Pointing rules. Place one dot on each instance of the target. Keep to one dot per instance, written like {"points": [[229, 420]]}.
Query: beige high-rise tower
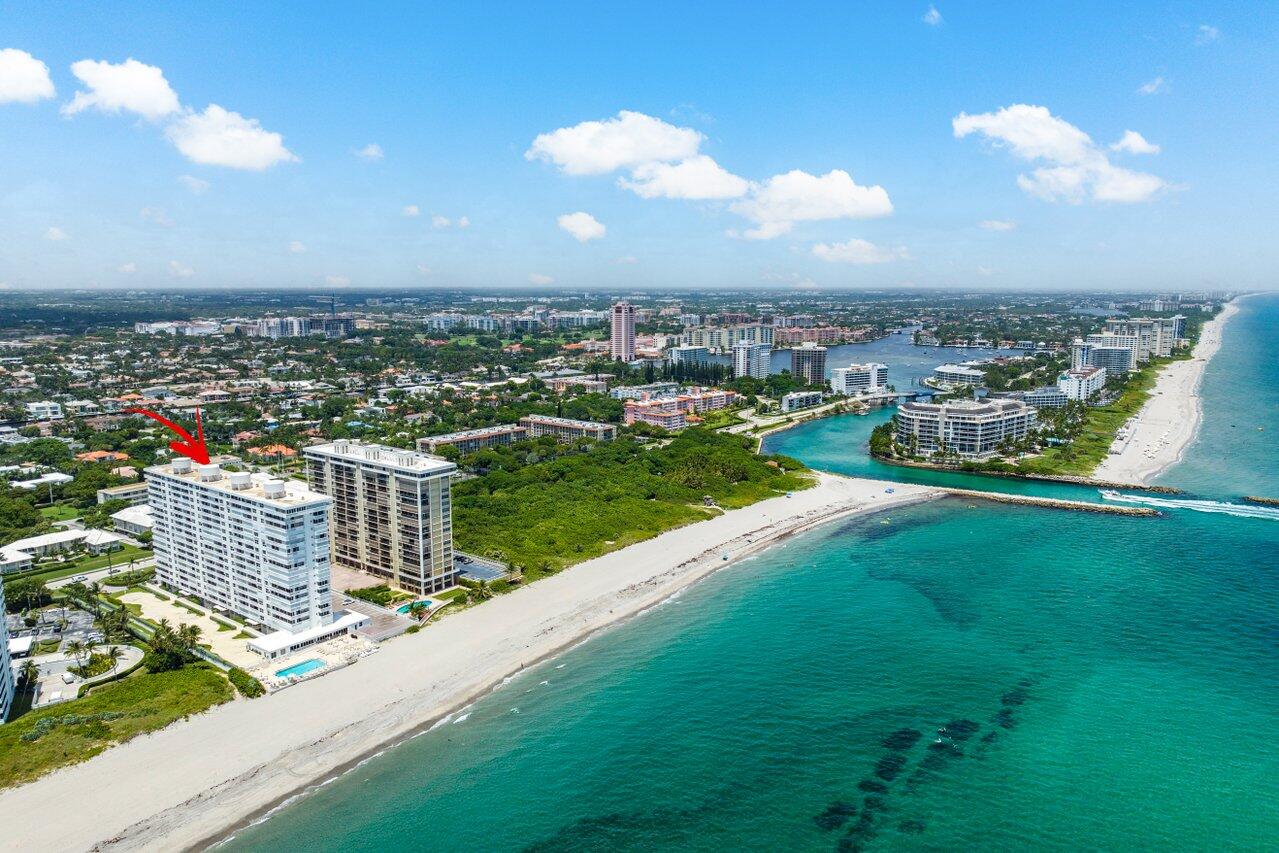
{"points": [[392, 512]]}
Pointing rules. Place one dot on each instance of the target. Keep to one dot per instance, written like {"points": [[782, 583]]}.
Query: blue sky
{"points": [[899, 133]]}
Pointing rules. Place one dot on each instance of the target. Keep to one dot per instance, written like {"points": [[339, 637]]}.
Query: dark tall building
{"points": [[808, 362]]}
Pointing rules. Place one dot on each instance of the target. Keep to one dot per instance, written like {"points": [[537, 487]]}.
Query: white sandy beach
{"points": [[191, 782], [1169, 421]]}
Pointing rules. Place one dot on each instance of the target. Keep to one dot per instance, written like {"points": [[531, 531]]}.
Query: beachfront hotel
{"points": [[859, 378], [808, 363], [968, 428], [1156, 337], [751, 359], [6, 666], [392, 512], [245, 543], [622, 332]]}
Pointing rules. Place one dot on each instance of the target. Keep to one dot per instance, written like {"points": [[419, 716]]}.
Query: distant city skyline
{"points": [[947, 146]]}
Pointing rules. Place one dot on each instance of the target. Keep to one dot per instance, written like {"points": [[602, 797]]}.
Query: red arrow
{"points": [[188, 446]]}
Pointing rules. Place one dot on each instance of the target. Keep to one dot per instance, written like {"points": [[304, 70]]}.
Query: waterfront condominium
{"points": [[392, 512], [246, 543], [6, 667], [622, 337], [967, 428], [471, 440], [751, 359], [1082, 383], [859, 378], [808, 363]]}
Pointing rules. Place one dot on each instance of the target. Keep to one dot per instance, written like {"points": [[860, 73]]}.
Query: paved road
{"points": [[101, 575]]}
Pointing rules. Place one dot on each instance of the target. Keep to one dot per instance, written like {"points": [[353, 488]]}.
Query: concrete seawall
{"points": [[1052, 503]]}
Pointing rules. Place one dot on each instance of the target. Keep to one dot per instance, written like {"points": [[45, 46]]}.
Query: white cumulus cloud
{"points": [[55, 234], [197, 186], [858, 251], [23, 78], [582, 226], [130, 85], [219, 137], [438, 221], [1152, 87], [1134, 143], [1206, 33], [297, 247], [180, 270], [698, 177], [128, 269], [463, 222], [1074, 167], [539, 278], [628, 139], [411, 210], [797, 196], [423, 269], [998, 224], [372, 151], [932, 17]]}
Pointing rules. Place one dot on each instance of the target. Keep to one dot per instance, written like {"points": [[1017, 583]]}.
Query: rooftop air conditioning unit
{"points": [[241, 480], [211, 472], [181, 465], [273, 488]]}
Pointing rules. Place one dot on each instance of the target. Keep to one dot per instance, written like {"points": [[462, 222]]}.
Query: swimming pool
{"points": [[425, 602], [300, 668]]}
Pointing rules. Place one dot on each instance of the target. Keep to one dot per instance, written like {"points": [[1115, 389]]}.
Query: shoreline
{"points": [[1168, 423], [199, 781]]}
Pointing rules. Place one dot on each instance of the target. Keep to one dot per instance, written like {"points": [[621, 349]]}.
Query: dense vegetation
{"points": [[548, 515], [52, 737]]}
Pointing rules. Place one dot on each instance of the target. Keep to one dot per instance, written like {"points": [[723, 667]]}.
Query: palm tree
{"points": [[115, 655], [76, 648], [417, 610], [29, 672]]}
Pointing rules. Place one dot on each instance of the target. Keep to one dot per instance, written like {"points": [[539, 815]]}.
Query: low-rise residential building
{"points": [[859, 378], [800, 400], [1047, 397], [663, 412], [44, 410], [968, 428], [133, 493], [566, 430], [1082, 383], [955, 375], [640, 392], [585, 384], [471, 440], [133, 520]]}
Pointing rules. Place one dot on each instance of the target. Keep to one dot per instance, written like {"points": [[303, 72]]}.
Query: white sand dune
{"points": [[195, 780], [1169, 421]]}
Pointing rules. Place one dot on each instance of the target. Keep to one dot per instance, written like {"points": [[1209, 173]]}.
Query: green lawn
{"points": [[59, 512], [76, 731], [119, 557], [720, 418]]}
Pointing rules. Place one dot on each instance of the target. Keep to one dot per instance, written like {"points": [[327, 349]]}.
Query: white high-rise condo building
{"points": [[6, 668], [242, 542], [967, 428], [752, 360], [859, 378], [1082, 383], [392, 512], [808, 363], [622, 339]]}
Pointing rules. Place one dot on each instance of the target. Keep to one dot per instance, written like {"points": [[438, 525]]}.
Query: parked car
{"points": [[80, 578]]}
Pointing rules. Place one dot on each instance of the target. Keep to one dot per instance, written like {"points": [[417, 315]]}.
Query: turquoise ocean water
{"points": [[1095, 683]]}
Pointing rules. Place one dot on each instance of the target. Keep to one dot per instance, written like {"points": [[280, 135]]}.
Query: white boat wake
{"points": [[1240, 510]]}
